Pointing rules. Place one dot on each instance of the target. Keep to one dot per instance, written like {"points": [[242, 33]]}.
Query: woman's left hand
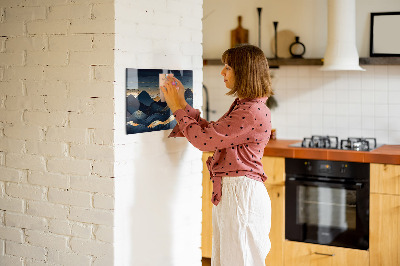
{"points": [[171, 94]]}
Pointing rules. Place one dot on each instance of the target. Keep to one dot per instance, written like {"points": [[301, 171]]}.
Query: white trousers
{"points": [[241, 223]]}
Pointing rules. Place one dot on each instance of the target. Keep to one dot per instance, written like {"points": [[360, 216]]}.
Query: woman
{"points": [[242, 208]]}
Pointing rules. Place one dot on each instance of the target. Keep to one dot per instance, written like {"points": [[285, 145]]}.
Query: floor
{"points": [[206, 261]]}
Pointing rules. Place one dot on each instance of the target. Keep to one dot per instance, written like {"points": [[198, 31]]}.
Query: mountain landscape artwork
{"points": [[146, 109]]}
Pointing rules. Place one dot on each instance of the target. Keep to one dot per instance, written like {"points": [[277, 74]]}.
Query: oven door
{"points": [[327, 213]]}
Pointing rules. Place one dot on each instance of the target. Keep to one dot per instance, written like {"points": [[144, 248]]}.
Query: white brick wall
{"points": [[56, 132], [156, 177]]}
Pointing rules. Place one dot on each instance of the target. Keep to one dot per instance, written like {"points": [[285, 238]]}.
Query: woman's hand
{"points": [[174, 94]]}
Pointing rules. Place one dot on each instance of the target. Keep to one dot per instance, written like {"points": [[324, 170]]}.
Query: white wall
{"points": [[158, 180], [344, 103], [56, 132]]}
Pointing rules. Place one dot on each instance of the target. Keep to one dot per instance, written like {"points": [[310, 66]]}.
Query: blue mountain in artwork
{"points": [[132, 104], [144, 98], [158, 107]]}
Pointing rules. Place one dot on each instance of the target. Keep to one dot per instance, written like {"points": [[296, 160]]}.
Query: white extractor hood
{"points": [[341, 51]]}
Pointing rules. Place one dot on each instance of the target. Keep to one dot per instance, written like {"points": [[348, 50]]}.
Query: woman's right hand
{"points": [[181, 91]]}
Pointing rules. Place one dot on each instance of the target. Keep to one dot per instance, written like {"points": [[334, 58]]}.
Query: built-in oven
{"points": [[327, 202]]}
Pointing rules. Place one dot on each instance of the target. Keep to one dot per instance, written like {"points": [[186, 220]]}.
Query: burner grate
{"points": [[327, 142], [358, 144]]}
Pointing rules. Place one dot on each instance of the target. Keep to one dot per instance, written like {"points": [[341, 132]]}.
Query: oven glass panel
{"points": [[326, 207]]}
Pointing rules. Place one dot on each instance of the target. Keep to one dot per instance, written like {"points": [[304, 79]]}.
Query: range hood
{"points": [[341, 51]]}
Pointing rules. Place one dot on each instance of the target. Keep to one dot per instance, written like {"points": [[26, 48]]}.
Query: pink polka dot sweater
{"points": [[238, 139]]}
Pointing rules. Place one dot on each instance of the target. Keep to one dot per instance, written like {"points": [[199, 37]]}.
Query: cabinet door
{"points": [[384, 229], [277, 233], [304, 254], [206, 226], [274, 168], [385, 178]]}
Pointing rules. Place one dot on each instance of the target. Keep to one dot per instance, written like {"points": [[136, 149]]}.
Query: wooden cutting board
{"points": [[239, 35]]}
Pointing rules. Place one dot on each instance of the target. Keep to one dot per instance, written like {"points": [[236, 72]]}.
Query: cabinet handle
{"points": [[324, 254]]}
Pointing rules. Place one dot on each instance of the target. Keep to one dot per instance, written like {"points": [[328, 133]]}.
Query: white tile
{"points": [[331, 131], [382, 136], [317, 95], [329, 121], [316, 82], [278, 83], [394, 97], [304, 109], [317, 131], [394, 110], [303, 82], [367, 133], [316, 72], [368, 122], [293, 120], [329, 95], [354, 75], [381, 97], [292, 82], [355, 122], [381, 71], [367, 82], [342, 96], [342, 109], [394, 70], [367, 110], [317, 120], [291, 71], [394, 123], [329, 109], [394, 83], [355, 96], [304, 72], [328, 74], [381, 110], [342, 122], [342, 133], [394, 137], [367, 96], [317, 107], [355, 132], [354, 83], [355, 109], [342, 81], [381, 123], [381, 84]]}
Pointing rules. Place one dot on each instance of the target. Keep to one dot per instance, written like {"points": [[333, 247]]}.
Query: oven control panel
{"points": [[338, 169]]}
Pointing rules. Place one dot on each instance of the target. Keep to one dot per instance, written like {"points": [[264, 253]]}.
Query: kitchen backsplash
{"points": [[314, 102]]}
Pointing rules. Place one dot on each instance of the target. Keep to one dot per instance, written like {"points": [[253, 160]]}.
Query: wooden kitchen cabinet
{"points": [[274, 168], [305, 254], [385, 178], [206, 225], [277, 233], [384, 236]]}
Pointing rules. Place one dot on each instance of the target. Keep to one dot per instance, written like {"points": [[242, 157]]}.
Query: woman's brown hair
{"points": [[250, 66]]}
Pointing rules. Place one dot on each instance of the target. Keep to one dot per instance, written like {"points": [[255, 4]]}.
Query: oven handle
{"points": [[357, 185]]}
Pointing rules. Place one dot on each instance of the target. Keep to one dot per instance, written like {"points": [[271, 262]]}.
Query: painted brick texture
{"points": [[56, 132], [158, 180]]}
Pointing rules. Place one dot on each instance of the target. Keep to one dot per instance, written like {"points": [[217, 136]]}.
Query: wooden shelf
{"points": [[380, 61], [274, 63]]}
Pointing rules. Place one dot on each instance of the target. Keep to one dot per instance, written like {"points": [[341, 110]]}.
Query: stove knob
{"points": [[343, 168]]}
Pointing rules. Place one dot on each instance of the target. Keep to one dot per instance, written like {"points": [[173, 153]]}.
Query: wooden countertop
{"points": [[389, 154]]}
